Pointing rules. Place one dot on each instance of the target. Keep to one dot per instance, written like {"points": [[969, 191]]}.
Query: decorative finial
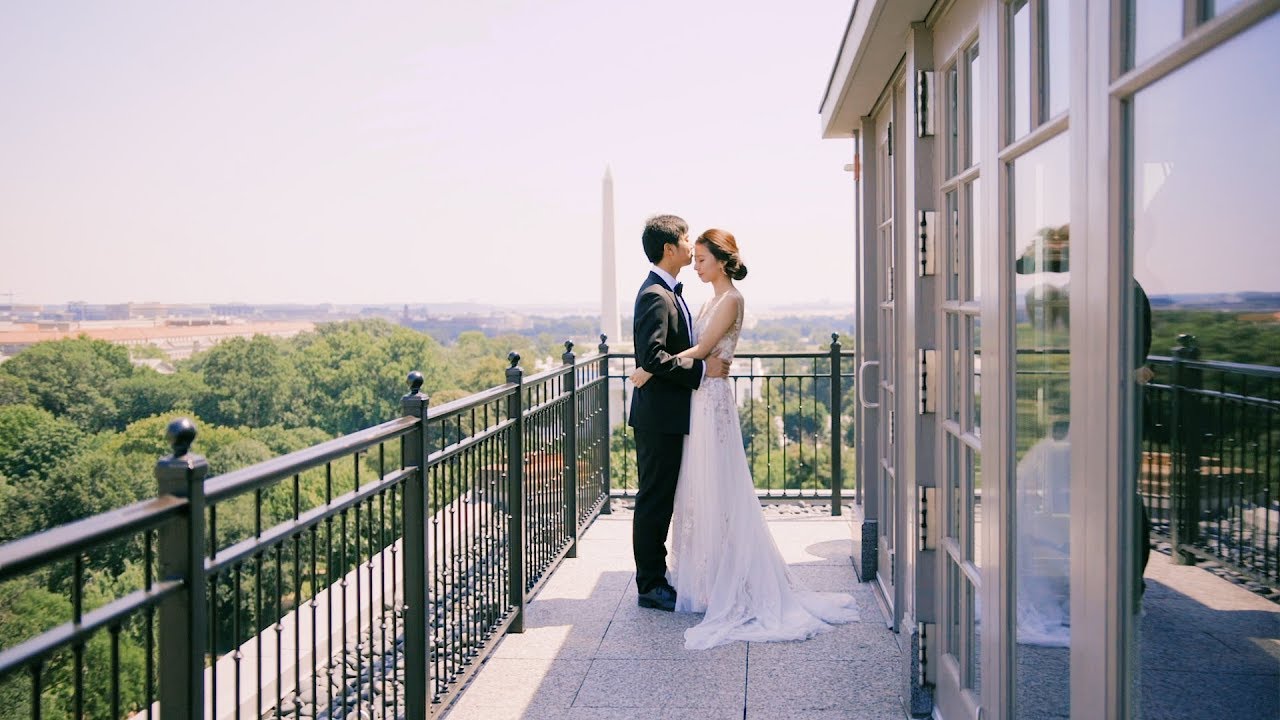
{"points": [[604, 339], [180, 433], [415, 382], [568, 346], [835, 337], [514, 358]]}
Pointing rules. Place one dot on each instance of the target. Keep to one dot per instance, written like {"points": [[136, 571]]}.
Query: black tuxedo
{"points": [[660, 419]]}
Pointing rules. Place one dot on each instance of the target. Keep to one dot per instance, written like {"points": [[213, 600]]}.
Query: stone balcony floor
{"points": [[589, 652]]}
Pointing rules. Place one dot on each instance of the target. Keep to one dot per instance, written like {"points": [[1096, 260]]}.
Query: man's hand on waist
{"points": [[716, 368]]}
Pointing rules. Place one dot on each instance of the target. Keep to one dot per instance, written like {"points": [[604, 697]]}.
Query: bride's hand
{"points": [[640, 376]]}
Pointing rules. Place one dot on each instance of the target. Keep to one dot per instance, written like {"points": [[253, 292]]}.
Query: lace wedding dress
{"points": [[724, 560]]}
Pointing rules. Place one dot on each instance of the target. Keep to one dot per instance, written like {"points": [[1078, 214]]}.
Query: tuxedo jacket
{"points": [[661, 332]]}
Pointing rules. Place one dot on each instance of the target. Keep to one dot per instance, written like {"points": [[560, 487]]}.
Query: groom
{"points": [[662, 328]]}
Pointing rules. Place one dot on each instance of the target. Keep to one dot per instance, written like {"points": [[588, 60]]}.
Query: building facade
{"points": [[1043, 187]]}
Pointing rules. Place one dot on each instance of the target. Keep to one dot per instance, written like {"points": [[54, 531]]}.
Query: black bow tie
{"points": [[679, 288]]}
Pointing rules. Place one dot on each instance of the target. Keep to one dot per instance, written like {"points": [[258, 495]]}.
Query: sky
{"points": [[411, 152]]}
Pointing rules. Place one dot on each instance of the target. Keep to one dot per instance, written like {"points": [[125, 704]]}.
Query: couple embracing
{"points": [[694, 481]]}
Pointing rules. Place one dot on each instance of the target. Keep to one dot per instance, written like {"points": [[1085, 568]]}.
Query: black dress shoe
{"points": [[662, 597]]}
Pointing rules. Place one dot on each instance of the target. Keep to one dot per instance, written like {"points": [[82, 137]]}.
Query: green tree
{"points": [[479, 363], [32, 444], [622, 458], [73, 379], [148, 393], [803, 406], [248, 381], [13, 390], [757, 425], [1251, 338], [352, 375], [28, 609]]}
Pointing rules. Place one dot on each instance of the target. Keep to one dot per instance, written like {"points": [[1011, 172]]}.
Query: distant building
{"points": [[178, 339]]}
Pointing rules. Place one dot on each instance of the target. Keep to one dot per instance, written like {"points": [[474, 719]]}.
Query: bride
{"points": [[724, 560]]}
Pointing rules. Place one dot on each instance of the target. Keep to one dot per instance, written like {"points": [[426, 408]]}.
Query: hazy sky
{"points": [[411, 151]]}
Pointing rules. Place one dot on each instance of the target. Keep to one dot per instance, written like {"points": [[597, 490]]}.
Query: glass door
{"points": [[960, 678], [886, 476], [1036, 349], [1200, 362]]}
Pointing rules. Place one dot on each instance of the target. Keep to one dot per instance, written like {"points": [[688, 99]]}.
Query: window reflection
{"points": [[1155, 25], [1217, 7], [975, 644], [1020, 64], [975, 484], [953, 119], [1205, 257], [1041, 243], [974, 101], [1057, 55], [975, 239]]}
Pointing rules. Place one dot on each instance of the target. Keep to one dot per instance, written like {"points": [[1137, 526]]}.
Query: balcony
{"points": [[475, 545]]}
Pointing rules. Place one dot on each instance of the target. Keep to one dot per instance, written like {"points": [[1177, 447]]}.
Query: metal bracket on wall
{"points": [[924, 103], [927, 232], [926, 630], [927, 362], [928, 526]]}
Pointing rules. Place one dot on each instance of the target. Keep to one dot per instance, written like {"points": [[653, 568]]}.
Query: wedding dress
{"points": [[724, 560]]}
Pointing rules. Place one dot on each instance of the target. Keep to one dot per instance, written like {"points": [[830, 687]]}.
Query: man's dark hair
{"points": [[661, 230]]}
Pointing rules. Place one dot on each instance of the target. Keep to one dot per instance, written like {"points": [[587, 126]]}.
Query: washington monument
{"points": [[610, 320]]}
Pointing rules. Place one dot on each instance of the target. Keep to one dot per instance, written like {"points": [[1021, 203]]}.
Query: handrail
{"points": [[265, 473], [548, 374], [94, 620], [281, 532], [762, 355], [32, 551], [512, 523], [437, 412], [548, 402], [448, 451], [209, 598], [1264, 371]]}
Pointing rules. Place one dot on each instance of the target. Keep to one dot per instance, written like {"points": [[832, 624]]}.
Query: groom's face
{"points": [[682, 251]]}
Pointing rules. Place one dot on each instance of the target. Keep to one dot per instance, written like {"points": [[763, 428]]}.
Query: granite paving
{"points": [[588, 652]]}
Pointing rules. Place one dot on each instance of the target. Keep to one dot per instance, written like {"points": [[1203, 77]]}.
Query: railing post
{"points": [[515, 493], [606, 479], [415, 556], [569, 422], [837, 473], [1184, 473], [184, 617]]}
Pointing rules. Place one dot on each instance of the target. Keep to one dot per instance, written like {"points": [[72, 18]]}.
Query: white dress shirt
{"points": [[684, 307]]}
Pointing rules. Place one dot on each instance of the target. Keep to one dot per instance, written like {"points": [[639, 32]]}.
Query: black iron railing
{"points": [[1209, 473], [365, 576], [791, 407]]}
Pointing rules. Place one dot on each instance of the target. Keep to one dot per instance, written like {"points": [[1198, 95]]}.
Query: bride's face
{"points": [[706, 264]]}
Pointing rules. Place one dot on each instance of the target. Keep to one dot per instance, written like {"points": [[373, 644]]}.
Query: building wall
{"points": [[1015, 508]]}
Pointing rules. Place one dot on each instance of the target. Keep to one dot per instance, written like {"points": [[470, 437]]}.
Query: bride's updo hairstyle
{"points": [[725, 249]]}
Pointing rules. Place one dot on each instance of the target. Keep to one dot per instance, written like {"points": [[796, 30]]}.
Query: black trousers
{"points": [[658, 465]]}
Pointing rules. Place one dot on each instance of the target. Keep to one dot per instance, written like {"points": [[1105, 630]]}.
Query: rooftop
{"points": [[588, 651]]}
